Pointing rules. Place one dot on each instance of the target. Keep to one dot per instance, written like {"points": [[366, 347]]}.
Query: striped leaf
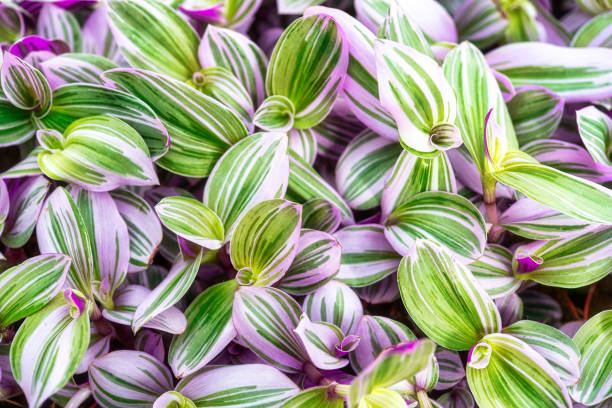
{"points": [[383, 291], [493, 271], [192, 220], [567, 263], [510, 309], [412, 175], [596, 133], [126, 301], [209, 330], [172, 399], [594, 6], [367, 257], [152, 36], [29, 286], [13, 24], [334, 303], [254, 170], [316, 262], [477, 92], [394, 364], [400, 27], [335, 132], [322, 342], [594, 340], [24, 86], [15, 124], [560, 191], [383, 398], [505, 371], [552, 344], [459, 397], [597, 32], [98, 153], [540, 307], [168, 292], [308, 67], [276, 113], [446, 218], [304, 143], [28, 166], [480, 22], [321, 215], [450, 367], [5, 203], [76, 101], [241, 386], [200, 127], [444, 299], [98, 38], [264, 319], [576, 74], [314, 397], [151, 343], [377, 333], [62, 229], [364, 167], [128, 379], [414, 91], [49, 346], [229, 49], [98, 346], [236, 14], [306, 184], [58, 23], [27, 196], [144, 228], [295, 6], [536, 113], [75, 68]]}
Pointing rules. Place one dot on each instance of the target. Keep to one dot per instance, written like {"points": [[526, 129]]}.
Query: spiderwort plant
{"points": [[305, 204]]}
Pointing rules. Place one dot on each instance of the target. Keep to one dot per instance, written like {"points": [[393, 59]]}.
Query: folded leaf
{"points": [[24, 86], [444, 299], [74, 68], [98, 346], [321, 215], [14, 24], [493, 271], [276, 113], [480, 22], [459, 397], [596, 133], [58, 23], [314, 397], [322, 342], [335, 303], [383, 291], [304, 143], [26, 196]]}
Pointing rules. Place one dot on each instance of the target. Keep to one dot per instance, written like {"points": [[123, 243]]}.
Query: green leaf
{"points": [[493, 271], [321, 215], [536, 113], [593, 32], [444, 299], [76, 67], [383, 398], [15, 124], [314, 397], [595, 129], [401, 28], [24, 86], [56, 22], [275, 113]]}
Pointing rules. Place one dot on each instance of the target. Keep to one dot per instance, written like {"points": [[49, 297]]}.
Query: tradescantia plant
{"points": [[306, 203]]}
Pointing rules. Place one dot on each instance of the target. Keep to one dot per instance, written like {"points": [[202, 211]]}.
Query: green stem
{"points": [[423, 399]]}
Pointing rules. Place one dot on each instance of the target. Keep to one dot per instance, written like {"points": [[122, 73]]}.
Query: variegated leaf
{"points": [[450, 367], [151, 343], [295, 6], [28, 166], [314, 397], [13, 24], [98, 38], [276, 113], [493, 271], [15, 124], [510, 309], [444, 299], [304, 143], [480, 22], [321, 215], [58, 23], [540, 307], [334, 303], [322, 343], [236, 14], [596, 133], [383, 398], [383, 291], [594, 33], [24, 86], [459, 397], [594, 6], [99, 345], [75, 68], [335, 132], [400, 26]]}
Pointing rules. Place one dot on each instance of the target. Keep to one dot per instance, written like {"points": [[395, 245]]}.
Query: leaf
{"points": [[49, 346], [316, 262], [253, 170], [168, 292], [152, 36], [594, 33], [383, 291], [98, 346], [241, 386], [480, 22], [595, 344], [98, 38], [128, 379], [364, 167], [504, 370], [276, 113], [58, 23], [308, 67], [400, 27], [98, 153], [540, 307], [26, 196], [75, 68], [450, 368], [28, 166], [457, 398], [445, 218], [192, 220], [264, 319], [334, 303], [29, 286], [209, 330], [321, 215], [595, 129], [383, 398], [493, 271], [14, 24], [321, 341], [444, 299], [24, 86], [314, 397], [200, 128], [304, 143], [15, 124]]}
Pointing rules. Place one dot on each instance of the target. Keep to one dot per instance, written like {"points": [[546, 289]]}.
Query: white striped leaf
{"points": [[316, 262], [24, 86], [200, 127], [377, 333], [240, 386], [49, 346], [264, 319], [209, 330], [383, 398], [29, 286], [13, 24], [229, 49], [367, 257], [58, 23], [235, 14], [450, 368], [552, 344], [76, 101], [98, 38], [295, 6], [304, 143], [15, 124], [306, 184], [364, 167], [540, 307], [522, 23], [253, 170], [459, 397], [415, 92], [597, 32], [144, 228], [576, 74], [171, 399], [276, 113], [314, 397], [128, 379], [480, 22], [444, 299], [5, 203], [400, 27], [446, 218], [152, 36], [594, 340], [383, 291], [75, 68], [98, 153], [510, 309], [151, 343], [334, 303], [505, 371], [322, 342], [594, 6], [192, 220], [493, 271], [168, 292], [321, 215], [28, 166], [61, 229], [596, 133], [27, 196], [412, 175], [98, 346], [308, 67], [335, 132]]}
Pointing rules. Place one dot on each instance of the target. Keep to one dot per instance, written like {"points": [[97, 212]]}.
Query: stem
{"points": [[491, 210], [315, 375], [423, 399], [587, 302], [78, 398]]}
